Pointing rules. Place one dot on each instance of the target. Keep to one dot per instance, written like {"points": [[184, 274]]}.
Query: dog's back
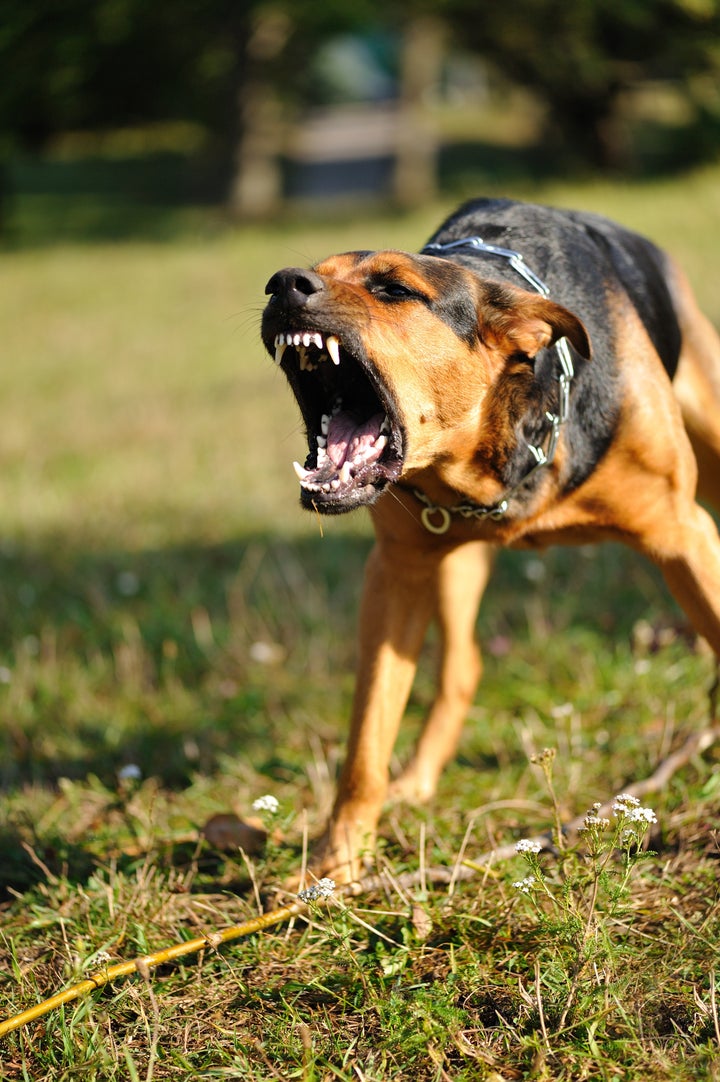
{"points": [[568, 249]]}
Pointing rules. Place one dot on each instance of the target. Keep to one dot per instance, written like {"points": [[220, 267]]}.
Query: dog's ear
{"points": [[514, 321]]}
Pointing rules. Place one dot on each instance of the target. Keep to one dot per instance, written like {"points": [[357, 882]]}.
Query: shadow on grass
{"points": [[177, 658], [218, 666]]}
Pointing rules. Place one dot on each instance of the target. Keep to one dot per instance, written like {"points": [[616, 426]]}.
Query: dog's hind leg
{"points": [[691, 568], [462, 578], [697, 388], [667, 524]]}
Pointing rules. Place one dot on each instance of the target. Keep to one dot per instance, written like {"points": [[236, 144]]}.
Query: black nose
{"points": [[293, 286]]}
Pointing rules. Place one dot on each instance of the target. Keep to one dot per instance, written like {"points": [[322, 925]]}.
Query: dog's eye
{"points": [[394, 291]]}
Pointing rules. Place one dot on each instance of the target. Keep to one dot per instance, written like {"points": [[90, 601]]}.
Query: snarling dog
{"points": [[532, 377]]}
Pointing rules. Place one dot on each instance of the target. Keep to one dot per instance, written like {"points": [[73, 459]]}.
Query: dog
{"points": [[532, 377]]}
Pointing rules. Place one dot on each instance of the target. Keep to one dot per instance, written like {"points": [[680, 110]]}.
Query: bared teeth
{"points": [[301, 472], [333, 347], [280, 347], [302, 342]]}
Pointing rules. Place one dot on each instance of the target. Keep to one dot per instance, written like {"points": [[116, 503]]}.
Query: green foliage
{"points": [[579, 59], [104, 63]]}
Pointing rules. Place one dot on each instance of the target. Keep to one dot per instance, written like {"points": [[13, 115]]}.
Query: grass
{"points": [[167, 605]]}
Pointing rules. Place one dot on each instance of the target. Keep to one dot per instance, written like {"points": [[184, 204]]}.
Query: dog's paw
{"points": [[340, 857], [412, 786]]}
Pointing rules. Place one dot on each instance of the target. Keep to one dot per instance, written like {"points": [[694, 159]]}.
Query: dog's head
{"points": [[395, 361]]}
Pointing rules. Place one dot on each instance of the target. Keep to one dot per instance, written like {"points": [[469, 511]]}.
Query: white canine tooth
{"points": [[385, 426], [325, 424], [301, 471], [321, 441], [381, 443], [280, 348], [333, 347], [344, 474]]}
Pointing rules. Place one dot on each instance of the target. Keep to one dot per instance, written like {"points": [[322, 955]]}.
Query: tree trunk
{"points": [[256, 185], [415, 177]]}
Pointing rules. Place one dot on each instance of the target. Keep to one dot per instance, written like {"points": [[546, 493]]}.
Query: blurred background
{"points": [[164, 601], [117, 115]]}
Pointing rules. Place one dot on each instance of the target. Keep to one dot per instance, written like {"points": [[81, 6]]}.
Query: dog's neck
{"points": [[436, 518]]}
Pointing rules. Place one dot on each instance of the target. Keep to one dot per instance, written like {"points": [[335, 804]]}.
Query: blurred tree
{"points": [[226, 64], [99, 64], [578, 58], [79, 64]]}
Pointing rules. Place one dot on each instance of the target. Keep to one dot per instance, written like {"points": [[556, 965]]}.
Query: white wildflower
{"points": [[641, 815], [596, 821], [267, 803], [525, 885], [629, 807], [625, 803], [527, 845], [322, 889]]}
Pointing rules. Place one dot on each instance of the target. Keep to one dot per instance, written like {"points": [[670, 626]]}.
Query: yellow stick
{"points": [[192, 946]]}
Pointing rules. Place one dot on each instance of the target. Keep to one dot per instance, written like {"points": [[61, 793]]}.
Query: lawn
{"points": [[168, 608]]}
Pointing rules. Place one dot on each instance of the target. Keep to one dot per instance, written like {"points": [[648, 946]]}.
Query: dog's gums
{"points": [[354, 441]]}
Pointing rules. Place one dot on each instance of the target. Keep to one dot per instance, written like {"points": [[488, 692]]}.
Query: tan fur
{"points": [[642, 493]]}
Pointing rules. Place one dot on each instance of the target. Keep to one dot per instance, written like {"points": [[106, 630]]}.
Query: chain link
{"points": [[435, 518]]}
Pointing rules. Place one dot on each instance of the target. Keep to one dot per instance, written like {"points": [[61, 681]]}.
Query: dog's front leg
{"points": [[396, 608], [460, 583]]}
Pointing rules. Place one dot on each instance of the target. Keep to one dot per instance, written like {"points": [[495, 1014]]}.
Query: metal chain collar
{"points": [[435, 518]]}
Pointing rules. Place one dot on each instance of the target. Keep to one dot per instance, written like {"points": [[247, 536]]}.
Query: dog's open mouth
{"points": [[354, 436]]}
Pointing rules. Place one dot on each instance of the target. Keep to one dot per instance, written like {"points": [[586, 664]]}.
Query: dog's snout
{"points": [[293, 286]]}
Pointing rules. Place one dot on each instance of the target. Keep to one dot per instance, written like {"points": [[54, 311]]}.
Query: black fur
{"points": [[584, 260]]}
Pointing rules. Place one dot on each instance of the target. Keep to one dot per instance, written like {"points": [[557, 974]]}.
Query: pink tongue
{"points": [[346, 438]]}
